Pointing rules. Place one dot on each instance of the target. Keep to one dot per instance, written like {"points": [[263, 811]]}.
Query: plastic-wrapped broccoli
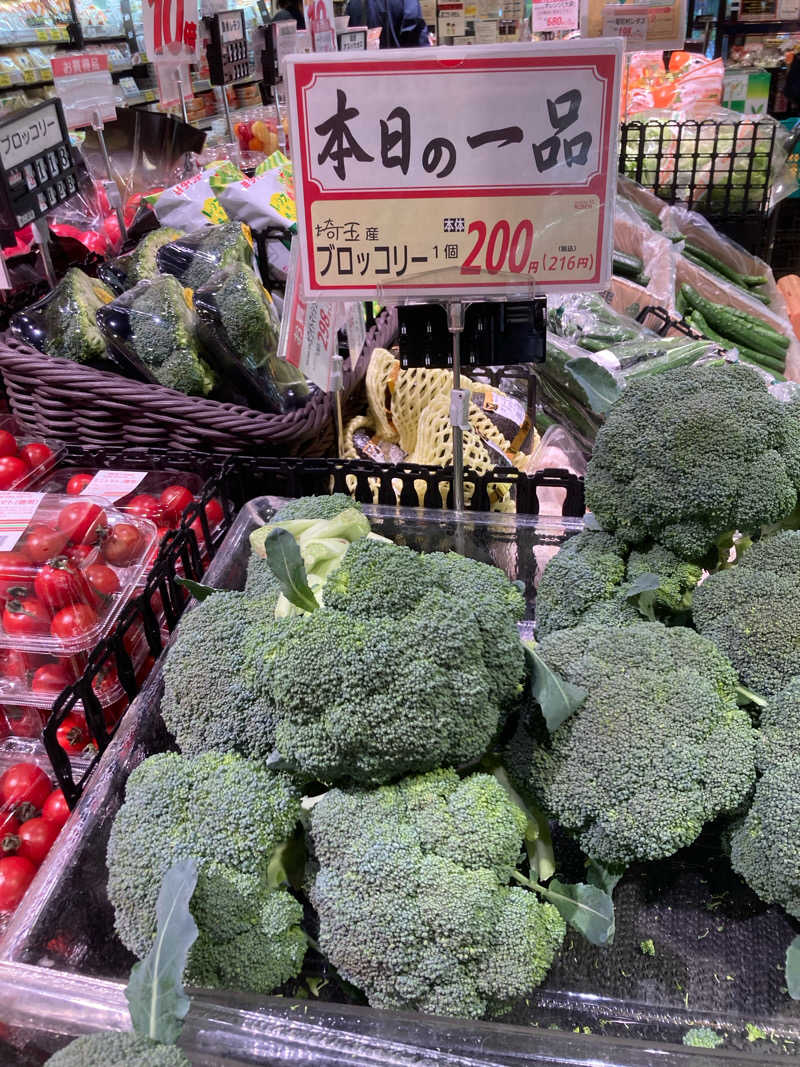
{"points": [[154, 325], [63, 323], [126, 271], [239, 326], [194, 258]]}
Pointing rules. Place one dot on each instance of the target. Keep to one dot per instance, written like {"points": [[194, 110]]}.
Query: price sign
{"points": [[227, 48], [308, 328], [36, 167], [626, 21], [83, 83], [551, 15], [401, 193], [170, 30], [658, 25], [321, 21], [352, 40]]}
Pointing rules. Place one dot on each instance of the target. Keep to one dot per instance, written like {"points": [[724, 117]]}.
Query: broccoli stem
{"points": [[747, 696]]}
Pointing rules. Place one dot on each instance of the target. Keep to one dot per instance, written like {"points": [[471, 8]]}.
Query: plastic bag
{"points": [[128, 270], [265, 201], [633, 237], [192, 259], [239, 329], [194, 202], [557, 450], [587, 319]]}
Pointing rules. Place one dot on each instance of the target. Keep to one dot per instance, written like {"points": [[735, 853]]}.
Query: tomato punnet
{"points": [[16, 572], [51, 678], [175, 499], [24, 783], [12, 470], [36, 838], [82, 521], [145, 506], [15, 666], [122, 545], [16, 874], [103, 579], [73, 734], [55, 808], [8, 443], [27, 617], [42, 542], [61, 583], [73, 621], [36, 453], [77, 484], [78, 553]]}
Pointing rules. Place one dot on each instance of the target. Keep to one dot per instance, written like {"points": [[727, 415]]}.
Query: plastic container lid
{"points": [[39, 461]]}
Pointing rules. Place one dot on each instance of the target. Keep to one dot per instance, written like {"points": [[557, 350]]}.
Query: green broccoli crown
{"points": [[260, 581], [690, 454], [765, 844], [202, 253], [72, 332], [246, 308], [677, 577], [703, 1037], [213, 698], [117, 1049], [413, 899], [658, 748], [316, 507], [141, 263], [779, 739], [750, 612], [229, 814]]}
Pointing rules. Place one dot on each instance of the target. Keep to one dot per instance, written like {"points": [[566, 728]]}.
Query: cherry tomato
{"points": [[55, 808], [15, 665], [103, 579], [24, 783], [73, 735], [61, 583], [42, 542], [175, 499], [16, 572], [73, 621], [12, 471], [145, 506], [106, 682], [51, 678], [27, 617], [8, 443], [122, 545], [81, 521], [16, 874], [77, 484], [9, 828], [36, 838], [214, 512], [36, 453], [78, 553]]}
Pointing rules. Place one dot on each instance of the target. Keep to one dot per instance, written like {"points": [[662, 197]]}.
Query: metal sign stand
{"points": [[42, 235], [459, 402]]}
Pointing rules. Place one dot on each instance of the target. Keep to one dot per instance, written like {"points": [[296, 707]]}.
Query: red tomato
{"points": [[51, 678], [12, 471], [9, 828], [36, 838], [175, 499], [42, 542], [78, 553], [61, 583], [81, 521], [27, 617], [16, 572], [55, 808], [214, 513], [73, 735], [122, 545], [8, 443], [15, 666], [16, 874], [24, 783], [73, 621], [77, 484], [36, 453], [103, 579], [145, 506]]}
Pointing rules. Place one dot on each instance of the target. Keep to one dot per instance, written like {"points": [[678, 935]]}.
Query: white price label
{"points": [[551, 15], [113, 485], [16, 511], [356, 330], [625, 21], [308, 329]]}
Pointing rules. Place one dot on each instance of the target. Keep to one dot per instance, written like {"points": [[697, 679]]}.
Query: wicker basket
{"points": [[65, 401]]}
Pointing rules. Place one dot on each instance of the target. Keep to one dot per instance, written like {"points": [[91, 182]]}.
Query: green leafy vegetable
{"points": [[557, 698], [585, 907], [598, 383], [286, 563], [199, 591], [643, 592]]}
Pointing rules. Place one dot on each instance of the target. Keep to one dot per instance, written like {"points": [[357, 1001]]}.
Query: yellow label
{"points": [[29, 76], [214, 211], [284, 205], [42, 35], [247, 233], [5, 81]]}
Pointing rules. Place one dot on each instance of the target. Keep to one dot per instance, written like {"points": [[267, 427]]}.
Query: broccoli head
{"points": [[315, 507], [658, 748], [750, 612], [229, 814], [117, 1049], [196, 256], [70, 328], [689, 455], [779, 737], [126, 271], [236, 297], [413, 897]]}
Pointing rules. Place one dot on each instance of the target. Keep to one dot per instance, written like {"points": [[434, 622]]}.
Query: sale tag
{"points": [[16, 511], [113, 485], [550, 15], [626, 21], [308, 329], [427, 200], [83, 82]]}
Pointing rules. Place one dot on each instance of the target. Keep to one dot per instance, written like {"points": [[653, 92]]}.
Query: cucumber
{"points": [[748, 354], [678, 357], [627, 266], [738, 328]]}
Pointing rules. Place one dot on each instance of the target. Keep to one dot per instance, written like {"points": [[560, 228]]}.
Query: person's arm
{"points": [[415, 28]]}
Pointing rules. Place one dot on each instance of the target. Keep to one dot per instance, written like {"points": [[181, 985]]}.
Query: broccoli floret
{"points": [[229, 814], [750, 612], [214, 697], [316, 507], [677, 577], [658, 748], [246, 310], [195, 257], [703, 1037], [779, 739], [691, 454], [259, 580], [141, 262], [117, 1049], [413, 897], [71, 331]]}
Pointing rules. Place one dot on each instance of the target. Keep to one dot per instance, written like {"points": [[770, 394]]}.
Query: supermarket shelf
{"points": [[114, 38], [149, 96], [203, 85], [740, 29], [34, 42]]}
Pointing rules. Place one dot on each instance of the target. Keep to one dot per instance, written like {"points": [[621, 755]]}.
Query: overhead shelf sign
{"points": [[403, 193]]}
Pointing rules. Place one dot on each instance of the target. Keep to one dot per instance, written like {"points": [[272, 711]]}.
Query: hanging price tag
{"points": [[113, 485], [625, 20], [16, 511], [308, 329], [83, 82]]}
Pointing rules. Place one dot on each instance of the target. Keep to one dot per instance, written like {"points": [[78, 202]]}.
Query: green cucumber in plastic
{"points": [[769, 363], [739, 329]]}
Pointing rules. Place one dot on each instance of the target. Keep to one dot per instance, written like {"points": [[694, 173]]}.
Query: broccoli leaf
{"points": [[643, 592], [155, 995], [538, 843], [599, 385], [585, 907], [793, 969], [286, 563], [287, 864], [557, 697], [197, 589], [602, 877]]}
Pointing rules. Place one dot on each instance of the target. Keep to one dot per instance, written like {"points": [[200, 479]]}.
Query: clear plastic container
{"points": [[37, 454]]}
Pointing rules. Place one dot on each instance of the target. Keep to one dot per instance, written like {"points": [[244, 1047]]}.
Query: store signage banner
{"points": [[83, 82], [170, 30], [402, 193]]}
